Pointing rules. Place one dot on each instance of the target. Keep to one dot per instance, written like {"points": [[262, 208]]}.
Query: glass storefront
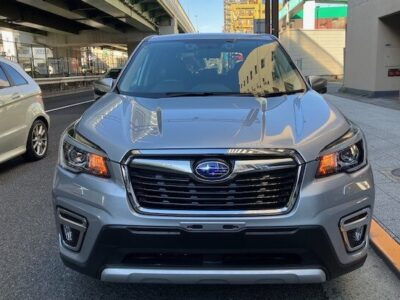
{"points": [[39, 61]]}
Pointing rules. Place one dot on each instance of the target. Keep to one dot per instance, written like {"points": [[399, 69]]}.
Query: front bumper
{"points": [[153, 254], [303, 246]]}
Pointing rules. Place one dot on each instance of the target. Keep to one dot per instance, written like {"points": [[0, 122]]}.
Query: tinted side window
{"points": [[3, 79], [17, 78]]}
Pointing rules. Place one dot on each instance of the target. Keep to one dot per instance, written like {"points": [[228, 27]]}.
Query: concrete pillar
{"points": [[168, 27], [131, 47], [309, 15]]}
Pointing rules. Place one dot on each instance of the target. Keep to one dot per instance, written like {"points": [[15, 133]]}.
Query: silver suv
{"points": [[212, 160]]}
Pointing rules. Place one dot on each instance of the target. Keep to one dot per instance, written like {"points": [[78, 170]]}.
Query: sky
{"points": [[206, 15]]}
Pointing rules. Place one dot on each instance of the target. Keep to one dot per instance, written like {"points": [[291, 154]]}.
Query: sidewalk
{"points": [[381, 126]]}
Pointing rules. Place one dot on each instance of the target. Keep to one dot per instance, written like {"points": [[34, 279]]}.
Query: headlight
{"points": [[81, 156], [348, 154]]}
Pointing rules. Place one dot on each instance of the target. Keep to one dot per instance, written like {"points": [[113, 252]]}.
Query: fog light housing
{"points": [[70, 235], [355, 229], [72, 228], [356, 236]]}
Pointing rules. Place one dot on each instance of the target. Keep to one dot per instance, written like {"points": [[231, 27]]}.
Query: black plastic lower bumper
{"points": [[263, 248]]}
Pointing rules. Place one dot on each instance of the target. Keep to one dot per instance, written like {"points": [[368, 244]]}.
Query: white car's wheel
{"points": [[38, 141]]}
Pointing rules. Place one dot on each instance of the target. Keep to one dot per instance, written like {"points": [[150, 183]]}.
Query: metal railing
{"points": [[66, 80], [63, 85]]}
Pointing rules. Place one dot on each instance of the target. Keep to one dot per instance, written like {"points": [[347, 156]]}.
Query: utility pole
{"points": [[268, 16], [275, 17]]}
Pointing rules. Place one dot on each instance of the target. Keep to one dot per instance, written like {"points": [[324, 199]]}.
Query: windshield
{"points": [[210, 67]]}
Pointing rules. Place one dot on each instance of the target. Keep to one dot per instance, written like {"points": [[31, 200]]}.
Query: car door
{"points": [[5, 126], [14, 110]]}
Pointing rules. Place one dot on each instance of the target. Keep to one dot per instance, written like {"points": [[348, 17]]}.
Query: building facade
{"points": [[314, 33], [373, 48], [41, 61], [307, 27], [239, 15], [313, 14], [316, 52]]}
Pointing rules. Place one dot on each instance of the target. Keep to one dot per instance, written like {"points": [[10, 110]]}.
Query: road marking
{"points": [[68, 106], [385, 244]]}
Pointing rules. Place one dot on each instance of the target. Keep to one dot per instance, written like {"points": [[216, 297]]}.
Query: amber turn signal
{"points": [[327, 165], [98, 165]]}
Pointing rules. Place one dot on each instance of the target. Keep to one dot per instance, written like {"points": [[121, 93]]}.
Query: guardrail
{"points": [[61, 80], [62, 85]]}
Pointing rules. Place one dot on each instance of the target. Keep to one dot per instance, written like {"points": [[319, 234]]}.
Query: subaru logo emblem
{"points": [[212, 169]]}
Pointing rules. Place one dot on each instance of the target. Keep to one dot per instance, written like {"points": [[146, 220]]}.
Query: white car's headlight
{"points": [[79, 155], [348, 154]]}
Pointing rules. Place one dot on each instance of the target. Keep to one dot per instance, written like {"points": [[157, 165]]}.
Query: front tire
{"points": [[38, 141]]}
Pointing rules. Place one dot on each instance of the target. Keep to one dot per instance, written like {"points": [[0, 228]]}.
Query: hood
{"points": [[303, 122]]}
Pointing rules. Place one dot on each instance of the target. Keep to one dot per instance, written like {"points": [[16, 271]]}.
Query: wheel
{"points": [[38, 141]]}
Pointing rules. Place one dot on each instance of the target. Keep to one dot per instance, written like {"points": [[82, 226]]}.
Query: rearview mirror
{"points": [[103, 86], [318, 84]]}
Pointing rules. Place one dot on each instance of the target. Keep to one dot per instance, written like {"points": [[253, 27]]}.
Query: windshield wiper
{"points": [[277, 94], [202, 94]]}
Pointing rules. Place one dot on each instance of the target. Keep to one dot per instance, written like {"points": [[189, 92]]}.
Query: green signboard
{"points": [[324, 12]]}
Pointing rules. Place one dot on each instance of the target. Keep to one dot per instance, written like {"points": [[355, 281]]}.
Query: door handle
{"points": [[15, 96]]}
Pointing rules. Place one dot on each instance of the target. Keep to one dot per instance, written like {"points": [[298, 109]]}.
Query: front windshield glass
{"points": [[220, 67]]}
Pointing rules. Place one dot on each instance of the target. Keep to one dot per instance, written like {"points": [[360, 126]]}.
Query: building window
{"points": [[262, 63], [251, 75], [255, 70]]}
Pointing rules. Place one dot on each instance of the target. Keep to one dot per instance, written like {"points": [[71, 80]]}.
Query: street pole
{"points": [[275, 18], [268, 16]]}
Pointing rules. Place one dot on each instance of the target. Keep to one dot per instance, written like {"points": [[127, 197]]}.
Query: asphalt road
{"points": [[30, 267]]}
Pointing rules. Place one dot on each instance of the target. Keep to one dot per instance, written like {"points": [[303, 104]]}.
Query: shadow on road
{"points": [[13, 164]]}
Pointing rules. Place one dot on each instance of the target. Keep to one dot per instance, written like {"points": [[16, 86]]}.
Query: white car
{"points": [[24, 123]]}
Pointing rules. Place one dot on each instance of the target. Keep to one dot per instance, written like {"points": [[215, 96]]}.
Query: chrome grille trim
{"points": [[152, 159]]}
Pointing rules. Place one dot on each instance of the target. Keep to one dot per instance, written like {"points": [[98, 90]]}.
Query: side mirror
{"points": [[318, 84], [103, 86]]}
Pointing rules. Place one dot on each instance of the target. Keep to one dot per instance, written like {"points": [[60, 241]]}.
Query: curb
{"points": [[387, 247]]}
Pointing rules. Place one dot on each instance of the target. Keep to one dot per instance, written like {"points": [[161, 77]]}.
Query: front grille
{"points": [[155, 188]]}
